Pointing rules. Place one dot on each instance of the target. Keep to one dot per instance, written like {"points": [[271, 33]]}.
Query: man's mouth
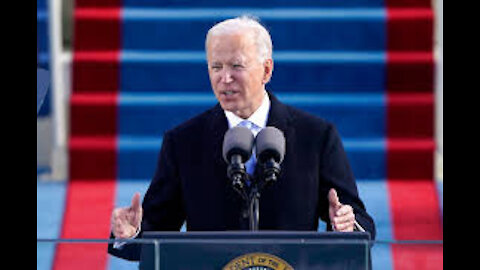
{"points": [[228, 93]]}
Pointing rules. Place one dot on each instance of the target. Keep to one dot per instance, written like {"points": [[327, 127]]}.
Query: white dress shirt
{"points": [[255, 123], [259, 117]]}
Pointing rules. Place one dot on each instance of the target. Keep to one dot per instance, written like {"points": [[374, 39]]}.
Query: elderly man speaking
{"points": [[191, 184]]}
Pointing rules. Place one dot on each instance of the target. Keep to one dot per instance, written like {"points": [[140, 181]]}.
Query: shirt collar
{"points": [[259, 117]]}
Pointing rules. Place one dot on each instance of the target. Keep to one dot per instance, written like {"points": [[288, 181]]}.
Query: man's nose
{"points": [[227, 76]]}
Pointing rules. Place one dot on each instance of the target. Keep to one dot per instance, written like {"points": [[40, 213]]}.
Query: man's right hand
{"points": [[126, 220]]}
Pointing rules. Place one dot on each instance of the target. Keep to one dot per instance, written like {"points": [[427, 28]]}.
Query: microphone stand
{"points": [[237, 173], [269, 173], [254, 209]]}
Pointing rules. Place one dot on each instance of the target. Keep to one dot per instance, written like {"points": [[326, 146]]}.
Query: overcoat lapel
{"points": [[278, 115], [217, 128]]}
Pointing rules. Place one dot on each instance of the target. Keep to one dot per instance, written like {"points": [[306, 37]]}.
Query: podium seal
{"points": [[257, 261]]}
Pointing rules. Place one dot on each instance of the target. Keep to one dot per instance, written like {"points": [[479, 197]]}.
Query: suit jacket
{"points": [[190, 183]]}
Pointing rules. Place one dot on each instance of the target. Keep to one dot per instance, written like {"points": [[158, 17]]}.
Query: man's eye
{"points": [[216, 67], [237, 66]]}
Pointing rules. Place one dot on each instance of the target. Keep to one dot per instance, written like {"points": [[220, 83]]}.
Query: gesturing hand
{"points": [[126, 220], [342, 217]]}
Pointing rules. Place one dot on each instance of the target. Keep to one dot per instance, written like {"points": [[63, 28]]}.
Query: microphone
{"points": [[270, 143], [237, 149]]}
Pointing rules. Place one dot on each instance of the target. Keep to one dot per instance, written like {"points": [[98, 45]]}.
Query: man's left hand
{"points": [[341, 215]]}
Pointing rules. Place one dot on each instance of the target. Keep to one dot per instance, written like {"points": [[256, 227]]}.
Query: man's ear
{"points": [[268, 70]]}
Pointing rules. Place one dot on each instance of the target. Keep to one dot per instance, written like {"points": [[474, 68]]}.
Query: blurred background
{"points": [[125, 71]]}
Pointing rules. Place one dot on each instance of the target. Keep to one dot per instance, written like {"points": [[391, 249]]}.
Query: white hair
{"points": [[263, 40]]}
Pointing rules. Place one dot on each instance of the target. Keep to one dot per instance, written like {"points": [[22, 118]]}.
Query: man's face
{"points": [[237, 77]]}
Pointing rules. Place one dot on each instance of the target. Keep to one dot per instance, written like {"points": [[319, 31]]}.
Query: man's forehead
{"points": [[232, 59]]}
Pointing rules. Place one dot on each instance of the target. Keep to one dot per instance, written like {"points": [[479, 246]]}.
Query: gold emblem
{"points": [[257, 261]]}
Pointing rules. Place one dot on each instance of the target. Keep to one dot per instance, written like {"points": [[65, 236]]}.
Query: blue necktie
{"points": [[250, 164]]}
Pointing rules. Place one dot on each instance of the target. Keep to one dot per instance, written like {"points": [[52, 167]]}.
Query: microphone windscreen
{"points": [[238, 141], [270, 143]]}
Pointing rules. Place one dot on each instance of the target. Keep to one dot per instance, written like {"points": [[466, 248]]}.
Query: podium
{"points": [[260, 250]]}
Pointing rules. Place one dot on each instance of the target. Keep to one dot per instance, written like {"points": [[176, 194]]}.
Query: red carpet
{"points": [[93, 118], [410, 127], [89, 205]]}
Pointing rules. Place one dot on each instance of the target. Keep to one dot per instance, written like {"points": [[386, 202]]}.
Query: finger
{"points": [[116, 217], [349, 218], [136, 202], [137, 211], [122, 228], [134, 217], [137, 218], [128, 232], [119, 214], [344, 210], [122, 220], [333, 198], [344, 227], [124, 232], [120, 217], [117, 229]]}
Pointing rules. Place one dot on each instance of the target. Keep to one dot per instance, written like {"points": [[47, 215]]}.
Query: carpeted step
{"points": [[299, 71], [42, 31], [294, 71], [291, 28]]}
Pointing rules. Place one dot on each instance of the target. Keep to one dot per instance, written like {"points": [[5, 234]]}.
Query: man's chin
{"points": [[229, 106]]}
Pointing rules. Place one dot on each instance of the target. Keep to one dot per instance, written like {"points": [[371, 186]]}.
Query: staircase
{"points": [[43, 58], [139, 69]]}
